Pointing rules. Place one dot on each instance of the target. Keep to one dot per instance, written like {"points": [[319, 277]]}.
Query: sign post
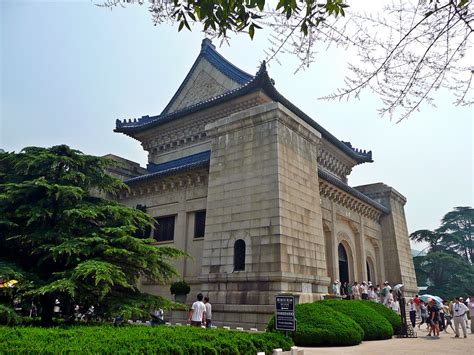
{"points": [[285, 313]]}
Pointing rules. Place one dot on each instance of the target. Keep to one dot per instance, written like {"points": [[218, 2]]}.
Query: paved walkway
{"points": [[445, 344]]}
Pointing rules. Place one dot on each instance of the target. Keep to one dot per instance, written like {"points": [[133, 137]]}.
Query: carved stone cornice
{"points": [[334, 164], [170, 183], [192, 129], [346, 200]]}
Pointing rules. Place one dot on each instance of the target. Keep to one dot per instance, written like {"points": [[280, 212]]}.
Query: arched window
{"points": [[239, 255]]}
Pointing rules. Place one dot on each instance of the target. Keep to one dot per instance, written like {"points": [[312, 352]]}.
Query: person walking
{"points": [[448, 317], [197, 314], [395, 307], [385, 292], [344, 290], [364, 290], [355, 291], [372, 294], [412, 306], [423, 314], [434, 318], [417, 301], [349, 291], [389, 299], [471, 312], [208, 312], [459, 311]]}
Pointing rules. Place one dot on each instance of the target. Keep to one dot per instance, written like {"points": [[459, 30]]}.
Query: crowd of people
{"points": [[438, 316], [367, 291]]}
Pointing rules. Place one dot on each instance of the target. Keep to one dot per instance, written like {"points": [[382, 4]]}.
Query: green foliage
{"points": [[446, 273], [180, 288], [8, 316], [62, 239], [375, 326], [319, 325], [447, 269], [458, 228], [393, 318], [138, 339], [223, 16], [137, 305]]}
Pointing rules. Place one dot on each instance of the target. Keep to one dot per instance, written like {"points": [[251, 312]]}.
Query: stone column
{"points": [[334, 243], [379, 264], [363, 254], [263, 189]]}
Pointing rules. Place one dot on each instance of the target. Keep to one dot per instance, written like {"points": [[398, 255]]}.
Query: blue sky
{"points": [[69, 69]]}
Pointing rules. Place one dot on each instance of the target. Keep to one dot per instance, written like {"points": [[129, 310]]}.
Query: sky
{"points": [[69, 69]]}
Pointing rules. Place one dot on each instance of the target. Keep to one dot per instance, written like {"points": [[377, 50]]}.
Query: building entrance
{"points": [[343, 264]]}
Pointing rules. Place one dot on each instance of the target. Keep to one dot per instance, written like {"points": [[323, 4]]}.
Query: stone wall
{"points": [[180, 195], [398, 259], [263, 189]]}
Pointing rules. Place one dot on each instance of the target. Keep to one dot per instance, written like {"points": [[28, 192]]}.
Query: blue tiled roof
{"points": [[203, 156], [174, 166], [208, 52], [261, 81]]}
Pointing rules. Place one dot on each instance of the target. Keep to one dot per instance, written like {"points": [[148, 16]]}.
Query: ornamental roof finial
{"points": [[206, 42]]}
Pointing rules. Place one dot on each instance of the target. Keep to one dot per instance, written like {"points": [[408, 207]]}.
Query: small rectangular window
{"points": [[164, 229], [199, 224]]}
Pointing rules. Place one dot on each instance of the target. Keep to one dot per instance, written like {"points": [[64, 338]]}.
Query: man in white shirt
{"points": [[389, 299], [364, 291], [208, 312], [459, 311], [395, 307], [197, 314]]}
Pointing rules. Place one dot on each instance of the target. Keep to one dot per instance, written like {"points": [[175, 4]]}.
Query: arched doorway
{"points": [[343, 264], [371, 273], [369, 276]]}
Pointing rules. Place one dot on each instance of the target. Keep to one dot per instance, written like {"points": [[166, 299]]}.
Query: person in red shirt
{"points": [[417, 302]]}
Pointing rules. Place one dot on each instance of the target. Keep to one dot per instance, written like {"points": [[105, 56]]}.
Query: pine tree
{"points": [[63, 240]]}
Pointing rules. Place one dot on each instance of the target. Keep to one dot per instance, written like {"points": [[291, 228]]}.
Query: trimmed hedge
{"points": [[319, 325], [137, 339], [388, 314], [375, 326]]}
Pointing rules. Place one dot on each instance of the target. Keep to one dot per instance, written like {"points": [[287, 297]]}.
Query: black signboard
{"points": [[285, 313]]}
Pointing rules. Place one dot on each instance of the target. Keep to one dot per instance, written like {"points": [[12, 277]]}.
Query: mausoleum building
{"points": [[256, 192]]}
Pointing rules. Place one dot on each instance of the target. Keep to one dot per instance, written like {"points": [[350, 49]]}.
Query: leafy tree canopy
{"points": [[448, 267], [404, 53], [63, 240]]}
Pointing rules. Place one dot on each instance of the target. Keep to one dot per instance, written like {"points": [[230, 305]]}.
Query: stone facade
{"points": [[279, 215]]}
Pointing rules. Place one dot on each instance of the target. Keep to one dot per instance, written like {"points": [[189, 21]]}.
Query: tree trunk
{"points": [[47, 309]]}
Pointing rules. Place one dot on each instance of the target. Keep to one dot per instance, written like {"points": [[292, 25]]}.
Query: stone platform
{"points": [[445, 344]]}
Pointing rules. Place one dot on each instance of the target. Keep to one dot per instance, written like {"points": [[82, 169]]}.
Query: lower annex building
{"points": [[256, 192]]}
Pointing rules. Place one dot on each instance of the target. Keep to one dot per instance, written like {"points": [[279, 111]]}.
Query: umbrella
{"points": [[429, 298], [10, 283]]}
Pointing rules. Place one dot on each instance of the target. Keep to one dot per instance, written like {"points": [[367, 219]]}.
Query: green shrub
{"points": [[8, 316], [180, 288], [137, 339], [318, 325], [388, 314], [375, 326]]}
